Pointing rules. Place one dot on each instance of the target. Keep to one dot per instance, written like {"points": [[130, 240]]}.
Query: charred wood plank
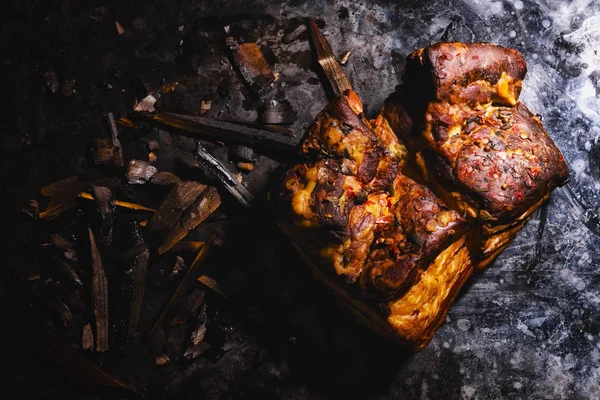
{"points": [[228, 132], [137, 269], [99, 296], [119, 203]]}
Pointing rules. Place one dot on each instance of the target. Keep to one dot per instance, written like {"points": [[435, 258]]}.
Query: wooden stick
{"points": [[228, 132], [58, 210], [99, 296], [139, 268], [212, 284], [177, 298], [114, 133], [187, 246], [216, 167], [331, 67], [124, 204]]}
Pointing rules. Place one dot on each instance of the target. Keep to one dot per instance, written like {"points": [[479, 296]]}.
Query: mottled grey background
{"points": [[526, 328]]}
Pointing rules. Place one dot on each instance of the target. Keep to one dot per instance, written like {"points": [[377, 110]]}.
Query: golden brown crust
{"points": [[347, 202], [419, 313], [414, 317], [468, 73], [483, 152]]}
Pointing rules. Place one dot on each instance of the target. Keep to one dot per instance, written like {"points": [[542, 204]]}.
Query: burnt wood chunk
{"points": [[252, 66], [229, 132], [140, 172], [104, 152]]}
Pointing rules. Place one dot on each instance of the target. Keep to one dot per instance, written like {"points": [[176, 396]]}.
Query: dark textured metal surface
{"points": [[528, 327]]}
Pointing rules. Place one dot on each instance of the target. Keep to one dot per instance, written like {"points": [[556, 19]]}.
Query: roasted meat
{"points": [[386, 244], [472, 142], [365, 213]]}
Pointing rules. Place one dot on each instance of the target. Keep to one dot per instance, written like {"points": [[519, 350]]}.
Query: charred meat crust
{"points": [[422, 225], [469, 73], [347, 202], [476, 137]]}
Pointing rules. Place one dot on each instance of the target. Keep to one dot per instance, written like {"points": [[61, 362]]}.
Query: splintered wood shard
{"points": [[65, 269], [187, 205], [229, 132], [187, 246], [114, 133], [62, 310], [176, 300], [212, 284], [331, 67], [99, 296], [191, 305], [169, 213], [63, 196], [139, 268], [202, 208], [216, 168], [119, 203], [105, 203], [64, 245]]}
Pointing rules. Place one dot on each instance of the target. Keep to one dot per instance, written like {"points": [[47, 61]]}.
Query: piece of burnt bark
{"points": [[104, 152], [140, 172]]}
